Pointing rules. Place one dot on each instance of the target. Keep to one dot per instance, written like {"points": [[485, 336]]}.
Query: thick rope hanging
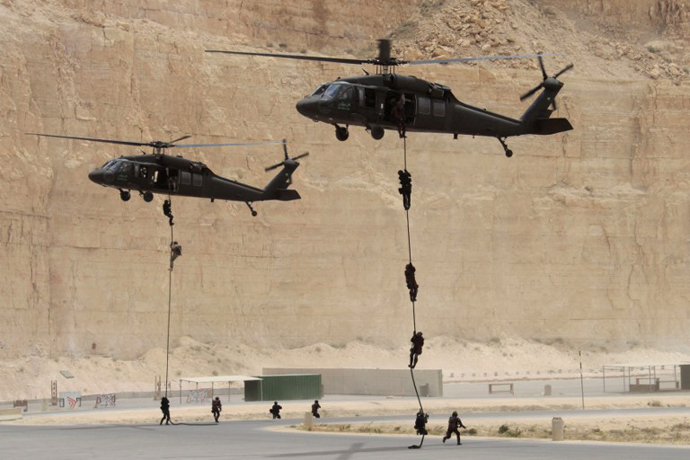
{"points": [[167, 211], [417, 339], [175, 252]]}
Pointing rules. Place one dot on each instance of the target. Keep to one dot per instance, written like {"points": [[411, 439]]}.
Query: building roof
{"points": [[644, 365], [219, 378]]}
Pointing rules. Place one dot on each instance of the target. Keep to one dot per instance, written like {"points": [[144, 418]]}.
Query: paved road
{"points": [[255, 440]]}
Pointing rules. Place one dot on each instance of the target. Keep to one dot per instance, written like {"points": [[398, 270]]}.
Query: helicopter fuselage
{"points": [[169, 175], [373, 101]]}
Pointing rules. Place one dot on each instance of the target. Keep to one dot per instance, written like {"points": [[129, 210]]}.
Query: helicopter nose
{"points": [[100, 177], [302, 107], [95, 176], [306, 107]]}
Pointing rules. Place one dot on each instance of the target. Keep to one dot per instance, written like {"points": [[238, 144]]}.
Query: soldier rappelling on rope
{"points": [[405, 187], [416, 348], [167, 210], [420, 422], [175, 252], [411, 282]]}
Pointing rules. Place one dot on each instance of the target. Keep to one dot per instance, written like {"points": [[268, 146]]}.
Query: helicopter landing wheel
{"points": [[377, 132], [148, 196], [341, 133], [509, 153], [125, 195]]}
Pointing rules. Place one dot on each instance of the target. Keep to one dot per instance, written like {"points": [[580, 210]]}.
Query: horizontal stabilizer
{"points": [[288, 195], [551, 126]]}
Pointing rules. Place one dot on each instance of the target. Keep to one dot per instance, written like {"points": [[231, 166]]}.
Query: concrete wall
{"points": [[384, 382]]}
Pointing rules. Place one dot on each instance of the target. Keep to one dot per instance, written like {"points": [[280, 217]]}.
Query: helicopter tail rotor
{"points": [[545, 78], [287, 158]]}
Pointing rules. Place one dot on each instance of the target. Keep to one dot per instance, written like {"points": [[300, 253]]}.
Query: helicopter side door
{"points": [[164, 180], [400, 107]]}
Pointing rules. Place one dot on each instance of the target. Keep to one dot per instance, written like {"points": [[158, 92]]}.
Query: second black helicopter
{"points": [[175, 175]]}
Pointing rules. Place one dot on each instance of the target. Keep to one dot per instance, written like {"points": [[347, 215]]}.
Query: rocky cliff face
{"points": [[580, 236]]}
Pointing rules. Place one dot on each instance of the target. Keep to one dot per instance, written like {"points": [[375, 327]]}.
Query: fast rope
{"points": [[175, 252], [417, 340]]}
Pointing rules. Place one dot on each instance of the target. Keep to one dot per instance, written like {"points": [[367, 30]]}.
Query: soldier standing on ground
{"points": [[216, 407], [165, 408], [275, 410], [315, 409], [454, 423]]}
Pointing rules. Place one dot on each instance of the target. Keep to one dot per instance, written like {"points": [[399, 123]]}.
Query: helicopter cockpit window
{"points": [[185, 178], [196, 180], [320, 90], [347, 93], [332, 91], [107, 164], [112, 165]]}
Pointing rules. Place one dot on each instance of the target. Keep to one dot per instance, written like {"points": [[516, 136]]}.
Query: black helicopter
{"points": [[407, 103], [174, 175]]}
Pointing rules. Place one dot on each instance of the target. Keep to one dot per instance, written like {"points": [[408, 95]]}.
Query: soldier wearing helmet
{"points": [[454, 423]]}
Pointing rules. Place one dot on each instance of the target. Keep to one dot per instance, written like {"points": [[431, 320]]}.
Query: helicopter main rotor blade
{"points": [[180, 139], [302, 57], [468, 59], [93, 139], [246, 144]]}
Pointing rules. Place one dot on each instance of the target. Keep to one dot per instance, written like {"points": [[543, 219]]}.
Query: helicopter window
{"points": [[347, 93], [112, 165], [196, 180], [185, 178], [439, 109], [332, 91], [424, 106], [369, 97], [124, 166], [320, 90]]}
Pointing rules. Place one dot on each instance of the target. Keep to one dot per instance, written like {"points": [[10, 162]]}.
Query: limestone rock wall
{"points": [[580, 237]]}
